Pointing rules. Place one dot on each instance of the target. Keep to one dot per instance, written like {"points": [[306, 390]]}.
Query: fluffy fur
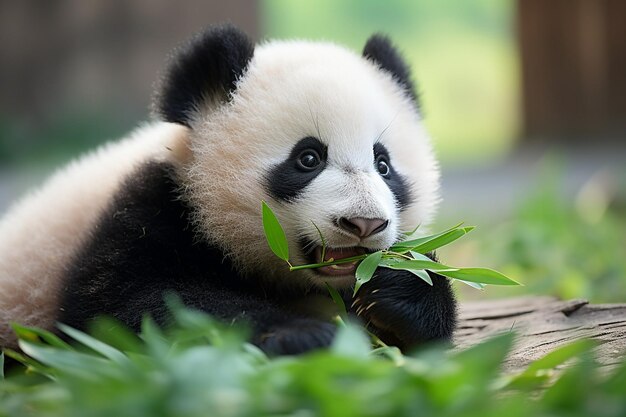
{"points": [[177, 207], [40, 234]]}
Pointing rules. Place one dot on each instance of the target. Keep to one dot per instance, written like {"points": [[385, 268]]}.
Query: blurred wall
{"points": [[78, 56], [573, 68]]}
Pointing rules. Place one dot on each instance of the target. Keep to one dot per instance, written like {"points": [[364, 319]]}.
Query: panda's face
{"points": [[330, 142]]}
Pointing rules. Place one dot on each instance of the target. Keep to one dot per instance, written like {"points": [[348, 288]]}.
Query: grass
{"points": [[199, 367]]}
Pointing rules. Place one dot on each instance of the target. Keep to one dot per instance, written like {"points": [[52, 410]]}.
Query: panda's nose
{"points": [[361, 226]]}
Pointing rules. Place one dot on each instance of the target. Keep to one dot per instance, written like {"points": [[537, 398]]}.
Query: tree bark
{"points": [[542, 324]]}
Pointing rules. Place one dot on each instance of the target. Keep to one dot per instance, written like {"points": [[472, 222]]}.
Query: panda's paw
{"points": [[404, 310], [296, 336]]}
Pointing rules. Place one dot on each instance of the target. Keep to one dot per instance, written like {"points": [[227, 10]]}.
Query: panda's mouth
{"points": [[348, 268]]}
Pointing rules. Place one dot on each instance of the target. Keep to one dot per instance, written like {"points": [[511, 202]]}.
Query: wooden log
{"points": [[543, 323]]}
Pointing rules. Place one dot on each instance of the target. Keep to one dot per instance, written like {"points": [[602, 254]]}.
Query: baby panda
{"points": [[328, 138]]}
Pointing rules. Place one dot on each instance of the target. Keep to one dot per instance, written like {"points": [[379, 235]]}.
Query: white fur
{"points": [[293, 90], [40, 234]]}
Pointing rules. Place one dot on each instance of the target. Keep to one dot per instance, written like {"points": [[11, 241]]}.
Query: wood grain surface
{"points": [[543, 323]]}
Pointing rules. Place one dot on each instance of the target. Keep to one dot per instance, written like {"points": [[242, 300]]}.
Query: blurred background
{"points": [[525, 101]]}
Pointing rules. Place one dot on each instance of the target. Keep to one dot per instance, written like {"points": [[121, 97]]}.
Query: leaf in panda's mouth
{"points": [[407, 255]]}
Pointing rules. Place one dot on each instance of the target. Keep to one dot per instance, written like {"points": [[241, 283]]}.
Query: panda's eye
{"points": [[382, 165], [309, 160]]}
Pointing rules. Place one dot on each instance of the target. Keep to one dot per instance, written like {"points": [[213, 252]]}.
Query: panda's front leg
{"points": [[296, 336], [405, 311]]}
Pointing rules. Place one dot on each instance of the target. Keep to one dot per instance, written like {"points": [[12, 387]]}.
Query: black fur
{"points": [[144, 247], [206, 68], [396, 182], [405, 311], [285, 181], [380, 50]]}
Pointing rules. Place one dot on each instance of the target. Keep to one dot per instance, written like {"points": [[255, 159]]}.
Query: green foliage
{"points": [[558, 249], [198, 367]]}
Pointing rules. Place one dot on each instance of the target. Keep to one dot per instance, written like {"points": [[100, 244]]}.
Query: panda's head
{"points": [[328, 138]]}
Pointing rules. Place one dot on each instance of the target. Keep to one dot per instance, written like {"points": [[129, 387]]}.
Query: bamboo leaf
{"points": [[419, 256], [476, 285], [560, 355], [29, 362], [412, 232], [443, 240], [94, 344], [366, 269], [319, 232], [386, 261], [69, 362], [416, 264], [274, 233], [429, 243], [422, 274], [338, 301], [35, 334], [405, 245], [479, 275]]}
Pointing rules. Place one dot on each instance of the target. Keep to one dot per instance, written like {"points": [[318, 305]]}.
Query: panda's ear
{"points": [[202, 72], [381, 51]]}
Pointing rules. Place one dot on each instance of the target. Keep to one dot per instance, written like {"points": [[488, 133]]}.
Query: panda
{"points": [[328, 138]]}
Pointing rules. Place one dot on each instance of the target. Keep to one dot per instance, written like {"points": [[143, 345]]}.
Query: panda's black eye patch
{"points": [[396, 182], [306, 161]]}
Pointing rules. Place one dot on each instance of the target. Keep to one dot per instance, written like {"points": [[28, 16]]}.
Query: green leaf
{"points": [[419, 256], [319, 232], [479, 275], [30, 363], [391, 352], [114, 333], [70, 362], [366, 269], [560, 355], [338, 301], [422, 274], [476, 285], [351, 342], [538, 373], [1, 365], [386, 261], [429, 243], [412, 232], [94, 344], [420, 240], [443, 240], [274, 233], [153, 336], [35, 334], [416, 264]]}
